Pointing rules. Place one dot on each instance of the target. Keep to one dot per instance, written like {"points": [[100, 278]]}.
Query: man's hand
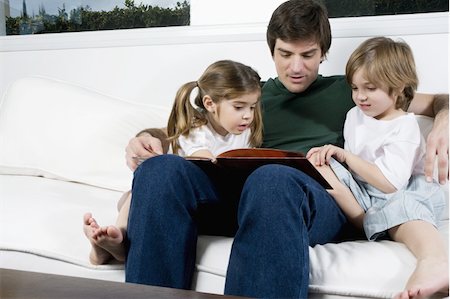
{"points": [[437, 145], [140, 148], [437, 141]]}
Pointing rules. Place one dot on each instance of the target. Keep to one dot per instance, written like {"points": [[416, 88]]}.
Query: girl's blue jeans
{"points": [[278, 215]]}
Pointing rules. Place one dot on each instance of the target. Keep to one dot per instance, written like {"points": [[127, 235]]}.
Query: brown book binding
{"points": [[239, 163]]}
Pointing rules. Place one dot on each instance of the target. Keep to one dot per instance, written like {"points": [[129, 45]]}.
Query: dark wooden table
{"points": [[33, 285]]}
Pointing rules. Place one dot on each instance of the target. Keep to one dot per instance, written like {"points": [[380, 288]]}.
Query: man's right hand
{"points": [[140, 148]]}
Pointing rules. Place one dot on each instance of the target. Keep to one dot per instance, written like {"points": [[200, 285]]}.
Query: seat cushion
{"points": [[62, 155]]}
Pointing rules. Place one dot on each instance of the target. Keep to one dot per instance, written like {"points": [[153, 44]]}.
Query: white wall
{"points": [[148, 65]]}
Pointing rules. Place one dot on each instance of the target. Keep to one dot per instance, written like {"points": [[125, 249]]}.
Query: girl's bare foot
{"points": [[429, 278], [402, 295], [98, 255], [110, 239]]}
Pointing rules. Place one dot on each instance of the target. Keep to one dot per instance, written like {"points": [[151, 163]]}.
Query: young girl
{"points": [[384, 153], [225, 114]]}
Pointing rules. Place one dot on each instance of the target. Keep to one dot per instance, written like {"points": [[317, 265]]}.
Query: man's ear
{"points": [[209, 104]]}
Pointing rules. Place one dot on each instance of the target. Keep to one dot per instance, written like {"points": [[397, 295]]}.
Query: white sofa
{"points": [[62, 154]]}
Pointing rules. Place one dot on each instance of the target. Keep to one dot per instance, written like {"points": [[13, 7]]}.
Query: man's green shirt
{"points": [[300, 121]]}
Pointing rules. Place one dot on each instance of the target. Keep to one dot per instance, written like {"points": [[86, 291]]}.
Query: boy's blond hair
{"points": [[386, 64]]}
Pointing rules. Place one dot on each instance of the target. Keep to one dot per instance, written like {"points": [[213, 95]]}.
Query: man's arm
{"points": [[146, 144], [160, 134], [438, 140], [428, 104]]}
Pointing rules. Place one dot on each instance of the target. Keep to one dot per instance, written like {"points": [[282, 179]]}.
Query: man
{"points": [[280, 211]]}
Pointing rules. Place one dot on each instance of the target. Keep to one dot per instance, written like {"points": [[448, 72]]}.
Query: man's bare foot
{"points": [[98, 255], [429, 278]]}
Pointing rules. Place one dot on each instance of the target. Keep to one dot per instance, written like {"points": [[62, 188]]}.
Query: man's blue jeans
{"points": [[280, 213]]}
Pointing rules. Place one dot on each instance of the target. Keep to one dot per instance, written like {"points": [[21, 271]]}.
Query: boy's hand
{"points": [[324, 153]]}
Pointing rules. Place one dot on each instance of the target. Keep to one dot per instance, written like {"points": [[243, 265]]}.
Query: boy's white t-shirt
{"points": [[395, 146], [205, 138]]}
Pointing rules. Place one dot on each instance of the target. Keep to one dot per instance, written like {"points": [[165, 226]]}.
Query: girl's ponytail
{"points": [[184, 116]]}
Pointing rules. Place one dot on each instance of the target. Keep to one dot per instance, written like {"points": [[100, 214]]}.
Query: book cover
{"points": [[237, 164]]}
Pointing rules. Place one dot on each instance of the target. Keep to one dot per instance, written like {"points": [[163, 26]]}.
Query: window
{"points": [[352, 8], [52, 16], [208, 12]]}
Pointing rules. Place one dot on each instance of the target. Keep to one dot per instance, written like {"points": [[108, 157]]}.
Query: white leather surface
{"points": [[59, 130], [41, 217], [41, 230]]}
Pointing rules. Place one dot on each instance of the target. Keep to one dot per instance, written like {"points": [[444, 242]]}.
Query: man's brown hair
{"points": [[296, 20]]}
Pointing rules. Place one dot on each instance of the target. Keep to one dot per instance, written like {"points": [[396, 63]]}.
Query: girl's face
{"points": [[233, 115], [372, 100]]}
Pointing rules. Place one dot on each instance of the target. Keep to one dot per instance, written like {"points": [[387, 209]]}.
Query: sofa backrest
{"points": [[148, 65]]}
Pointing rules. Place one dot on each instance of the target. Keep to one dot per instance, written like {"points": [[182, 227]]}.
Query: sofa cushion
{"points": [[53, 219], [58, 130], [45, 127]]}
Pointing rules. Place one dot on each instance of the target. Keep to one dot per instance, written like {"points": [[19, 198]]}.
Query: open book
{"points": [[239, 163]]}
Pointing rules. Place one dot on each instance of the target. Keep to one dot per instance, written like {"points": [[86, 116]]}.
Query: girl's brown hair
{"points": [[222, 80], [386, 63]]}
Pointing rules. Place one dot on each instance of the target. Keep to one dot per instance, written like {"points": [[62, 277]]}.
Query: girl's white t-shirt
{"points": [[205, 138], [395, 146]]}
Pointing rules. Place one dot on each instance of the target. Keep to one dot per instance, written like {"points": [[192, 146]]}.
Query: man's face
{"points": [[297, 63]]}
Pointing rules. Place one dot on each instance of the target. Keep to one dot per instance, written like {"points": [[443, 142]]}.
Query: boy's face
{"points": [[374, 101], [297, 63]]}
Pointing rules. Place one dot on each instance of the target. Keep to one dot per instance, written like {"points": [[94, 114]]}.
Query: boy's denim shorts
{"points": [[419, 200]]}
